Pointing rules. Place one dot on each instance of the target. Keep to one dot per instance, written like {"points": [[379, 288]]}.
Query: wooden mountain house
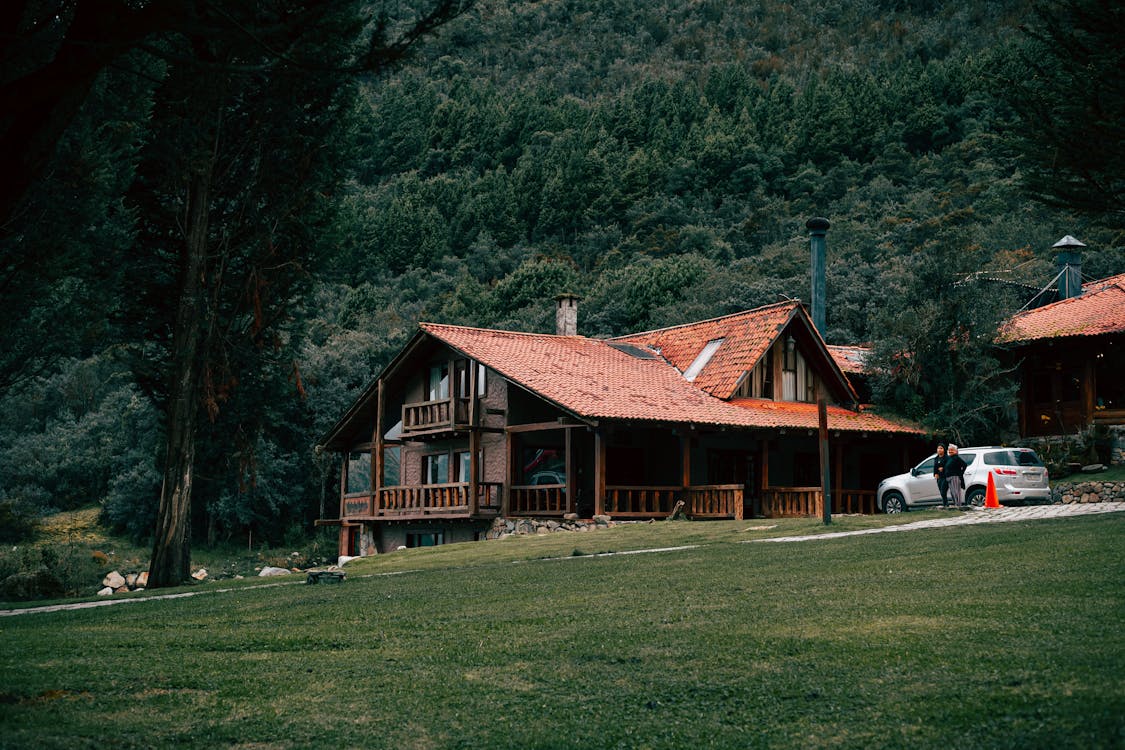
{"points": [[469, 424]]}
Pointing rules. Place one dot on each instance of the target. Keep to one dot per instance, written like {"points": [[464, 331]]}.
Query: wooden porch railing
{"points": [[640, 502], [715, 501], [853, 501], [783, 502], [538, 500]]}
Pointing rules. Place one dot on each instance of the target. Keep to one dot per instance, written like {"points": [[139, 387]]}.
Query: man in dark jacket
{"points": [[939, 475]]}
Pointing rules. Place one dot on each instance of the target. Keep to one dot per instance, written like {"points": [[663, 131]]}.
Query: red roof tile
{"points": [[594, 380], [850, 358], [801, 415], [746, 337], [1100, 309]]}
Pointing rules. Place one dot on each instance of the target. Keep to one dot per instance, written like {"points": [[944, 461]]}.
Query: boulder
{"points": [[601, 520], [131, 580], [113, 580], [1092, 468], [142, 579], [200, 574], [270, 570], [570, 516], [107, 591]]}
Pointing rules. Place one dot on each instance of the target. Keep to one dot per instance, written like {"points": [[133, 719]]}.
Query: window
{"points": [[439, 383], [435, 468], [392, 464], [359, 472], [463, 371], [999, 458], [789, 370], [701, 360], [759, 383], [926, 467], [425, 538], [462, 464]]}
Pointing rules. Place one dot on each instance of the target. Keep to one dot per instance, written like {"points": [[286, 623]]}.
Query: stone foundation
{"points": [[504, 527]]}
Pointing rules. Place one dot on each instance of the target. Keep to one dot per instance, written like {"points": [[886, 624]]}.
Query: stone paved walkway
{"points": [[961, 518]]}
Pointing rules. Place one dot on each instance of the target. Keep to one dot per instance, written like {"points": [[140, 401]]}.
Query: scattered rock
{"points": [[1092, 468], [200, 574], [142, 579], [113, 580], [270, 570], [107, 591]]}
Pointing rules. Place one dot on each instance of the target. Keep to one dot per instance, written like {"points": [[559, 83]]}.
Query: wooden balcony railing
{"points": [[423, 500], [538, 500], [435, 415]]}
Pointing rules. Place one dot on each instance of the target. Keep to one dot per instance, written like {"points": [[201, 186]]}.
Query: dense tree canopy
{"points": [[658, 158]]}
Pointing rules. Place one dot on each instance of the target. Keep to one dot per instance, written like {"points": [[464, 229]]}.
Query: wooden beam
{"points": [[685, 447], [540, 426], [509, 476]]}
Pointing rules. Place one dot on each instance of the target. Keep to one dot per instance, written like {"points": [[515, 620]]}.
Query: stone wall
{"points": [[1090, 491], [503, 527]]}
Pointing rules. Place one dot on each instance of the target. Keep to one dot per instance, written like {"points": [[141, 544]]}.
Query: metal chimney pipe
{"points": [[1069, 264], [566, 314], [818, 227]]}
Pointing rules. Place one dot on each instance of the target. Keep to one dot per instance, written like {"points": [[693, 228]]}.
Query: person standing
{"points": [[939, 475], [955, 474]]}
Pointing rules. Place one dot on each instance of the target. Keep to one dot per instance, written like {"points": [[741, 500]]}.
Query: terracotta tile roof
{"points": [[850, 358], [1100, 309], [588, 377], [594, 379], [800, 415], [746, 337]]}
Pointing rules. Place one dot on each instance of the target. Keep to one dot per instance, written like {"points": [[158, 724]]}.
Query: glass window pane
{"points": [[439, 383], [392, 461], [359, 472]]}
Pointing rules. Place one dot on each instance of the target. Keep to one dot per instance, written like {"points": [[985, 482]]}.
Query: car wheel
{"points": [[975, 497], [893, 503]]}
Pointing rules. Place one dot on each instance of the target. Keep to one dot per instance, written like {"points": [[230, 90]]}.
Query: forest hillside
{"points": [[659, 159]]}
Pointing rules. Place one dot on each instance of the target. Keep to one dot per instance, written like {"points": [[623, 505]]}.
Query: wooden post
{"points": [[474, 442], [685, 446], [379, 448], [599, 472], [510, 476], [568, 467], [825, 475], [839, 474]]}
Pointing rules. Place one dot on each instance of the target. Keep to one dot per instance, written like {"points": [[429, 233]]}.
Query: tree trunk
{"points": [[171, 552]]}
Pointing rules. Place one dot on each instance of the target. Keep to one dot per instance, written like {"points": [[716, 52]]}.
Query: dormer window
{"points": [[701, 360], [798, 383]]}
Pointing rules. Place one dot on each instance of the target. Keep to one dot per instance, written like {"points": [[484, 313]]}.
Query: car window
{"points": [[999, 458], [926, 467], [968, 458], [1028, 458]]}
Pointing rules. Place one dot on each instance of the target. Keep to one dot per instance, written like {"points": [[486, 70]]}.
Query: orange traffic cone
{"points": [[990, 499]]}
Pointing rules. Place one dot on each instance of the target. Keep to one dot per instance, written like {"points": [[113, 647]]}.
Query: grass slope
{"points": [[1004, 635]]}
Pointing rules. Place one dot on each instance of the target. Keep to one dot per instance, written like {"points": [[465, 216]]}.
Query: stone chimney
{"points": [[818, 227], [566, 314], [1068, 263]]}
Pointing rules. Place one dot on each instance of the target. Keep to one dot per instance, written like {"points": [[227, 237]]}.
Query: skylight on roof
{"points": [[701, 360]]}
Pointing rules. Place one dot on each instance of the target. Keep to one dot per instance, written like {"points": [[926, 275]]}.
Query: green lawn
{"points": [[996, 635]]}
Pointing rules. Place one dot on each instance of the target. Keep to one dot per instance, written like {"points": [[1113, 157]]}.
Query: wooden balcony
{"points": [[706, 501], [715, 501], [435, 416], [425, 501]]}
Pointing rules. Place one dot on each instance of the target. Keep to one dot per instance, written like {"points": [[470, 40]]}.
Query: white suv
{"points": [[1019, 476]]}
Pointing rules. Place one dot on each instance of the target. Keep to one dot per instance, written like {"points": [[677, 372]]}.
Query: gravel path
{"points": [[961, 518]]}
